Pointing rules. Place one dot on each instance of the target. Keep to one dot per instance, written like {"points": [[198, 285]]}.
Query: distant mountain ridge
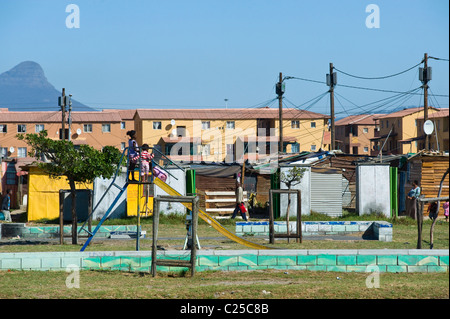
{"points": [[25, 88]]}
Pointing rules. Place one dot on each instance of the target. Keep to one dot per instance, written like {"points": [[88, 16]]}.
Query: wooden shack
{"points": [[428, 169]]}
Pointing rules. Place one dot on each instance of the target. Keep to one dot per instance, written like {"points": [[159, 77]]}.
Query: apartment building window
{"points": [[295, 124], [123, 125], [206, 125], [366, 149], [206, 149], [3, 128], [87, 128], [230, 125], [21, 128], [3, 152], [365, 130], [157, 125], [295, 148], [106, 128], [122, 146], [313, 147], [22, 152], [39, 128], [313, 124]]}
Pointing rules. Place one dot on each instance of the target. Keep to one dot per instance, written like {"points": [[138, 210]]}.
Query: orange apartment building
{"points": [[97, 129], [354, 132]]}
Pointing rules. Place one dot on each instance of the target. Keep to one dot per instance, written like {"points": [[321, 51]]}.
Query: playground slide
{"points": [[209, 219]]}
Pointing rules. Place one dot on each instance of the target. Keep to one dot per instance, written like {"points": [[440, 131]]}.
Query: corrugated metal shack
{"points": [[347, 164]]}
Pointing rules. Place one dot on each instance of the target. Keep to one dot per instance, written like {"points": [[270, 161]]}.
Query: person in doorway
{"points": [[415, 191], [6, 205], [239, 202], [411, 198], [146, 157], [132, 153]]}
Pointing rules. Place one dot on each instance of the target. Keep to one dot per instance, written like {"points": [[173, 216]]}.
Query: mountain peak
{"points": [[25, 87], [27, 74]]}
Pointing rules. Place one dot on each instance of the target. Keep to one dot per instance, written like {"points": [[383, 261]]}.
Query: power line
{"points": [[357, 87], [379, 77], [441, 59]]}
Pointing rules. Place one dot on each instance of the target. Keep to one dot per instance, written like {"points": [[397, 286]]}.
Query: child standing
{"points": [[146, 157], [445, 206], [132, 152]]}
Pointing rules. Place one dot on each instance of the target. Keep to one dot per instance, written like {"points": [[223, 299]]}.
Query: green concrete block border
{"points": [[369, 260]]}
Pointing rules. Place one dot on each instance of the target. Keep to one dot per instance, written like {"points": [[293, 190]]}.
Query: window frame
{"points": [[88, 125], [37, 128], [106, 125], [157, 128], [21, 126]]}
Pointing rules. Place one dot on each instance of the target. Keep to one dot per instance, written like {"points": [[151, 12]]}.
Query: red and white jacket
{"points": [[145, 156]]}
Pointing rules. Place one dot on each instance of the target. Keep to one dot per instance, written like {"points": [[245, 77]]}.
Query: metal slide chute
{"points": [[209, 219]]}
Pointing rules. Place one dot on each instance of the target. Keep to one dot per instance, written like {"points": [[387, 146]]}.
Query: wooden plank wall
{"points": [[433, 169]]}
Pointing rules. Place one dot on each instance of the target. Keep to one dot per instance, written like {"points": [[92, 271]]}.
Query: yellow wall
{"points": [[306, 135], [132, 199], [43, 194], [406, 128], [441, 130]]}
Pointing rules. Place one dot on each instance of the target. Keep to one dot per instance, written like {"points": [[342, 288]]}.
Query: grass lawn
{"points": [[268, 284], [173, 227]]}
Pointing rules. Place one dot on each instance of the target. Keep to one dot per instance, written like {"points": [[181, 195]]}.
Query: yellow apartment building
{"points": [[229, 134], [399, 131], [439, 138]]}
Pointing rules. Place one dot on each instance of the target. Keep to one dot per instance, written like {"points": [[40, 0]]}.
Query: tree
{"points": [[78, 165], [293, 177]]}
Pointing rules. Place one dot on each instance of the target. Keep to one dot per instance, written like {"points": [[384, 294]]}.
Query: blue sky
{"points": [[196, 53]]}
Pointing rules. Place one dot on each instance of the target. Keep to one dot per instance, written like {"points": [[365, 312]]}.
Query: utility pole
{"points": [[331, 82], [70, 117], [62, 104], [425, 76], [280, 91]]}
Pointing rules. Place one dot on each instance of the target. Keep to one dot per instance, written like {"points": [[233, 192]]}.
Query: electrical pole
{"points": [[62, 103], [426, 76], [331, 82], [70, 117], [280, 92]]}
